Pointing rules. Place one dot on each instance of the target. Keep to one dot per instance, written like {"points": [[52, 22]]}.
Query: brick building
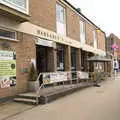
{"points": [[113, 41], [54, 35]]}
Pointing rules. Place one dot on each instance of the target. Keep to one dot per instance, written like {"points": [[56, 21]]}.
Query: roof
{"points": [[99, 59], [83, 15], [113, 35]]}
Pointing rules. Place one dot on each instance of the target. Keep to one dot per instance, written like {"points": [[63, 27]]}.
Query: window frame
{"points": [[73, 58], [17, 7], [58, 21], [8, 38], [60, 52], [83, 33]]}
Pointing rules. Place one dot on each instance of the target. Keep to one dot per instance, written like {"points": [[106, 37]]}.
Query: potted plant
{"points": [[32, 78]]}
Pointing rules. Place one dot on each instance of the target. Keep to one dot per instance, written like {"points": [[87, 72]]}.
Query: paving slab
{"points": [[10, 109]]}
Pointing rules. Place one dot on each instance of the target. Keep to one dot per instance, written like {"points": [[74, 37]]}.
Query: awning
{"points": [[99, 59]]}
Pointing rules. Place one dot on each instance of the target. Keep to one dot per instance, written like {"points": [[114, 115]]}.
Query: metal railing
{"points": [[60, 79], [67, 78], [97, 77]]}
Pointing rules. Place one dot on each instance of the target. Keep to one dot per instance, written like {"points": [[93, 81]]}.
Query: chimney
{"points": [[79, 10]]}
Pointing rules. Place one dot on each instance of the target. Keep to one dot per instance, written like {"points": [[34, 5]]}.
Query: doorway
{"points": [[41, 58]]}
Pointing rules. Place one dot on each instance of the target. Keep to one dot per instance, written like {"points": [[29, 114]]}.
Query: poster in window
{"points": [[7, 69]]}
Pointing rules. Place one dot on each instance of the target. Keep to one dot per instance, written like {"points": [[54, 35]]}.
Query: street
{"points": [[94, 103]]}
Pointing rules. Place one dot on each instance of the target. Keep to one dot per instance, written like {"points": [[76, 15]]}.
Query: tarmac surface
{"points": [[94, 103]]}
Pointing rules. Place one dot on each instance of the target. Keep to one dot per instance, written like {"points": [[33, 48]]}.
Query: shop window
{"points": [[7, 34], [60, 58], [60, 19], [83, 61], [73, 59], [82, 31]]}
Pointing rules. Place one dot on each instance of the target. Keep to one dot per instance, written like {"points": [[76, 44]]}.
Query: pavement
{"points": [[10, 109], [94, 103]]}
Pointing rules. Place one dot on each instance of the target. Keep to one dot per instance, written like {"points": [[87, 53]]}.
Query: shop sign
{"points": [[6, 55], [46, 79], [5, 82], [7, 69], [49, 78], [43, 42], [58, 77], [82, 75]]}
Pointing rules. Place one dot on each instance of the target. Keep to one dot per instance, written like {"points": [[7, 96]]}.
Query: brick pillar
{"points": [[67, 58], [52, 60], [55, 59], [86, 62], [78, 60]]}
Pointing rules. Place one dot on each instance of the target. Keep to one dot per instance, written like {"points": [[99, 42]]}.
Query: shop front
{"points": [[101, 67], [45, 56]]}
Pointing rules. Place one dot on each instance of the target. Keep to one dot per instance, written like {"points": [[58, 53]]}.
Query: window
{"points": [[7, 34], [60, 57], [73, 59], [20, 5], [82, 31], [94, 39], [60, 13], [83, 61], [60, 19]]}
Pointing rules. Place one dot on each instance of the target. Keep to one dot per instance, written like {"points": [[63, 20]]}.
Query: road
{"points": [[94, 103]]}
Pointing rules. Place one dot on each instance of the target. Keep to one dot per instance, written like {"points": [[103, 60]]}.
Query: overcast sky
{"points": [[104, 13]]}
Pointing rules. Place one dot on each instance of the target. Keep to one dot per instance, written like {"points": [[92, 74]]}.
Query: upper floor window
{"points": [[7, 34], [82, 31], [20, 5], [94, 39], [60, 19]]}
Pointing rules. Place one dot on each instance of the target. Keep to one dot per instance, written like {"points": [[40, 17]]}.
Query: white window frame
{"points": [[7, 38], [17, 7], [59, 22], [82, 32]]}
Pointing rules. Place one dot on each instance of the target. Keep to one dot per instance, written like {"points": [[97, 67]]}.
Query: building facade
{"points": [[113, 47], [53, 35]]}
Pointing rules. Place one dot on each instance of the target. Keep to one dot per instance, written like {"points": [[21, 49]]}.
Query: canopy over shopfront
{"points": [[99, 59], [100, 64]]}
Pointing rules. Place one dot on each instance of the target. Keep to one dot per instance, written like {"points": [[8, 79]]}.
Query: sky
{"points": [[104, 13]]}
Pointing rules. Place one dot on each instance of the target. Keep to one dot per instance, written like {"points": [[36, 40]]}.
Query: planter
{"points": [[33, 86]]}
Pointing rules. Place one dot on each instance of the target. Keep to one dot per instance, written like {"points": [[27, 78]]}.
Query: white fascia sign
{"points": [[43, 42]]}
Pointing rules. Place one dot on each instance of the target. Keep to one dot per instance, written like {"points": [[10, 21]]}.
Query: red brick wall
{"points": [[43, 13], [89, 34], [115, 40], [25, 50], [73, 25], [101, 40]]}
